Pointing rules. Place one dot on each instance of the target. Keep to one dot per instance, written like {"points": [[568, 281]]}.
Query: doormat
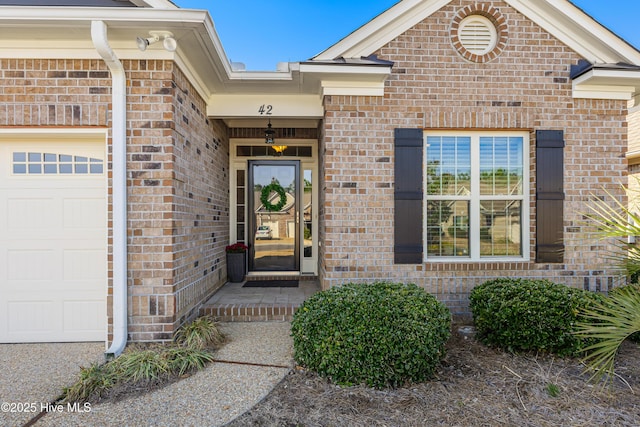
{"points": [[271, 284]]}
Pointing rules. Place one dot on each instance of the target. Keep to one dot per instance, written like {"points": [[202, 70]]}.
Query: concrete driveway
{"points": [[32, 375], [256, 358]]}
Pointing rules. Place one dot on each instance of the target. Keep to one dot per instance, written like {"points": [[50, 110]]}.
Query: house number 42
{"points": [[265, 110]]}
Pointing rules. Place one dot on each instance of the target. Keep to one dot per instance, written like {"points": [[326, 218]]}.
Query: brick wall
{"points": [[178, 205], [526, 87], [37, 92], [634, 127], [634, 146], [177, 161]]}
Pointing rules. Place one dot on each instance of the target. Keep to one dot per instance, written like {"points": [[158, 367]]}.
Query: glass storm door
{"points": [[274, 215]]}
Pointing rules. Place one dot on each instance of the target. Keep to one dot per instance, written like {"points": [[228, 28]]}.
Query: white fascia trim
{"points": [[118, 185], [86, 14], [382, 29], [607, 84], [583, 34], [345, 69], [261, 75], [93, 133], [632, 155], [623, 93], [630, 76], [348, 88], [159, 4], [353, 91]]}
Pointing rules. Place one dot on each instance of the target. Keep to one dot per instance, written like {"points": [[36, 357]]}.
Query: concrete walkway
{"points": [[211, 397]]}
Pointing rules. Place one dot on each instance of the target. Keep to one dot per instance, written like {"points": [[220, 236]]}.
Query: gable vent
{"points": [[477, 34]]}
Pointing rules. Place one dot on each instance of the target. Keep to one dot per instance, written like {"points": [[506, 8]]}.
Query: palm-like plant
{"points": [[611, 322], [619, 221]]}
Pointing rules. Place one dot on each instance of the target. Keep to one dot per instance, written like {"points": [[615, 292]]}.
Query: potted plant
{"points": [[236, 261]]}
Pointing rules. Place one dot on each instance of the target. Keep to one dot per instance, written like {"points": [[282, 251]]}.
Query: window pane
{"points": [[20, 168], [501, 171], [35, 157], [35, 168], [448, 165], [81, 168], [48, 157], [65, 168], [304, 152], [448, 228], [308, 214], [95, 168], [50, 169], [500, 228], [19, 157]]}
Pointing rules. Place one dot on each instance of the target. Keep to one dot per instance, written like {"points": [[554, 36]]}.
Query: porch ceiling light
{"points": [[168, 41], [269, 134]]}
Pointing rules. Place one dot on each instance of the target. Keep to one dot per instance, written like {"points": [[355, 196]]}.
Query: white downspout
{"points": [[118, 186]]}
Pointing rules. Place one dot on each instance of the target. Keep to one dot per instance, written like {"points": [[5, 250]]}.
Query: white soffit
{"points": [[64, 33]]}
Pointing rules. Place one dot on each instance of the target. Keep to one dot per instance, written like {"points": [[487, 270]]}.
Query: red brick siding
{"points": [[526, 87]]}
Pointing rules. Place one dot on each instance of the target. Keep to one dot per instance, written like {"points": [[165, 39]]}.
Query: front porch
{"points": [[235, 303]]}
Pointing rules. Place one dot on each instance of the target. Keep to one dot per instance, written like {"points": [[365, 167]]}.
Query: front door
{"points": [[274, 219]]}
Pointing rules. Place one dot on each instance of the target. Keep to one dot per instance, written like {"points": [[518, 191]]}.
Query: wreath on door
{"points": [[266, 192]]}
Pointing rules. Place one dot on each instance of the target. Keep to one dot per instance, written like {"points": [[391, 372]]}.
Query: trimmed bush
{"points": [[379, 334], [530, 315]]}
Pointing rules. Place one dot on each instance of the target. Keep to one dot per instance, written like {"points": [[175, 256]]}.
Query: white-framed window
{"points": [[38, 163], [476, 195]]}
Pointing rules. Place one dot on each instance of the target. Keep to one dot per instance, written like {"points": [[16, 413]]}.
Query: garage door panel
{"points": [[53, 242], [32, 265], [84, 214], [32, 317], [84, 265], [25, 214], [84, 315]]}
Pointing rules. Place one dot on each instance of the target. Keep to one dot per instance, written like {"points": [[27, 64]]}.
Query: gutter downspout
{"points": [[118, 186]]}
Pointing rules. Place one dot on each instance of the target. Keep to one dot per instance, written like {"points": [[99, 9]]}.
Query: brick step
{"points": [[301, 277], [249, 312]]}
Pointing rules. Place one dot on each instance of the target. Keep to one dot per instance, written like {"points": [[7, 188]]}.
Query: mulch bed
{"points": [[475, 386]]}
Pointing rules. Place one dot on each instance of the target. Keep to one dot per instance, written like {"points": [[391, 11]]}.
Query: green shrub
{"points": [[158, 364], [93, 382], [530, 315], [144, 365], [183, 360], [380, 334]]}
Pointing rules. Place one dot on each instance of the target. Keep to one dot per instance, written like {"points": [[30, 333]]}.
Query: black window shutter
{"points": [[549, 196], [408, 196]]}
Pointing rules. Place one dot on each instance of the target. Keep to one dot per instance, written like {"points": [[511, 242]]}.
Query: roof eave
{"points": [[607, 83]]}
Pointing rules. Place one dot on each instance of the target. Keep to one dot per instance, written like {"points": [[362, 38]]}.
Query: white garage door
{"points": [[52, 241]]}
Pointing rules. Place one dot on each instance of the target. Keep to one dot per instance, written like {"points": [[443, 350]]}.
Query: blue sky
{"points": [[261, 33]]}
